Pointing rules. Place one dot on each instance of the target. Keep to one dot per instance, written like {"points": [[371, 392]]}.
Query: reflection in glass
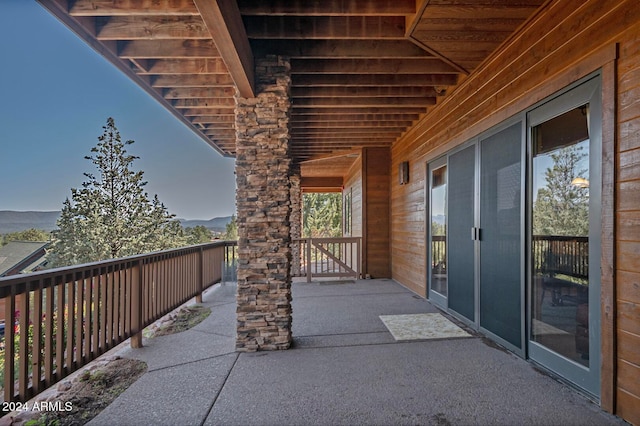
{"points": [[560, 238], [439, 230]]}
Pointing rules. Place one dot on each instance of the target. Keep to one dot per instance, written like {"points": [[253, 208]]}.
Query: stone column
{"points": [[296, 220], [263, 208]]}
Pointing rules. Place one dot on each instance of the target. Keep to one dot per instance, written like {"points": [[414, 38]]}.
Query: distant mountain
{"points": [[14, 221], [216, 224]]}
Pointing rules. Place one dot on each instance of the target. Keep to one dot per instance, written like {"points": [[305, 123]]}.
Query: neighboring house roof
{"points": [[19, 255]]}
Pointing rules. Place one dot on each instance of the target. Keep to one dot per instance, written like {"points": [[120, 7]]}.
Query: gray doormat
{"points": [[421, 326]]}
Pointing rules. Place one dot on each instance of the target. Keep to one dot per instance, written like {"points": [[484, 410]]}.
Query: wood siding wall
{"points": [[565, 41], [376, 257], [353, 183]]}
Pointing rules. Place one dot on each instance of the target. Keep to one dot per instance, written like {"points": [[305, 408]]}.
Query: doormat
{"points": [[421, 326]]}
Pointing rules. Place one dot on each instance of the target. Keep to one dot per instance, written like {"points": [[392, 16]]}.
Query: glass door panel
{"points": [[560, 236], [460, 245], [501, 287], [438, 231], [564, 272]]}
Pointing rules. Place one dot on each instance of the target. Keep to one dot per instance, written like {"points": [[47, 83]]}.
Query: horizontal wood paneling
{"points": [[565, 41], [626, 406], [353, 183], [628, 255], [629, 165], [627, 374], [629, 347], [628, 235], [408, 227], [376, 242]]}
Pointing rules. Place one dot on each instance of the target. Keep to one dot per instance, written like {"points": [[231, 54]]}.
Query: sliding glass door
{"points": [[438, 285], [564, 138], [501, 236], [461, 244]]}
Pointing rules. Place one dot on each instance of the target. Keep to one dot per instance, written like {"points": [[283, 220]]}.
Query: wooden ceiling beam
{"points": [[186, 66], [375, 80], [328, 7], [218, 127], [132, 7], [340, 125], [310, 110], [221, 134], [366, 139], [466, 24], [192, 80], [355, 119], [307, 182], [203, 103], [351, 133], [351, 91], [199, 92], [212, 119], [345, 129], [327, 49], [110, 49], [371, 66], [354, 102], [481, 11], [196, 112], [222, 18], [152, 49], [150, 28], [315, 150], [326, 27]]}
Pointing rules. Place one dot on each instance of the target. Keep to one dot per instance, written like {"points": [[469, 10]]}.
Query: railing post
{"points": [[359, 262], [309, 242], [200, 275], [9, 346], [136, 306]]}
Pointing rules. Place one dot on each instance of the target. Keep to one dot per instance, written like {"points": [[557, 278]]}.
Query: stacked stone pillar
{"points": [[263, 210], [296, 220]]}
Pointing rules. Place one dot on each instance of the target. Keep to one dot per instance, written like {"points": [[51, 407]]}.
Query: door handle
{"points": [[475, 233]]}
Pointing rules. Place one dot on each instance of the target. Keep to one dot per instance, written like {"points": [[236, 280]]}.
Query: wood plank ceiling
{"points": [[363, 71]]}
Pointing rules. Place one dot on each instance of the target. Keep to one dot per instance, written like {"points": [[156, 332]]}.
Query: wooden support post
{"points": [[136, 307], [200, 276], [309, 243]]}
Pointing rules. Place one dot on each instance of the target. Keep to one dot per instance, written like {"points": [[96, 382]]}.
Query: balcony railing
{"points": [[327, 257], [561, 255], [64, 318], [551, 255]]}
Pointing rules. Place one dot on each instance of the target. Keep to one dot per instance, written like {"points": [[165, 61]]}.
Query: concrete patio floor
{"points": [[345, 368]]}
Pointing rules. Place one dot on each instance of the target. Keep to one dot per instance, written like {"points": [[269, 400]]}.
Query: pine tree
{"points": [[231, 231], [561, 207], [322, 215], [111, 215], [198, 234]]}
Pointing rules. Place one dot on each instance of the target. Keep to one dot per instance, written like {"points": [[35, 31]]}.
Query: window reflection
{"points": [[439, 230], [560, 237]]}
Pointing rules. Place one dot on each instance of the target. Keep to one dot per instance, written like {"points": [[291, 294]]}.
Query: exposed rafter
{"points": [[362, 71], [224, 22]]}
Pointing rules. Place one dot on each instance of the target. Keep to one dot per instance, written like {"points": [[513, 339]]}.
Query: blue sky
{"points": [[56, 94]]}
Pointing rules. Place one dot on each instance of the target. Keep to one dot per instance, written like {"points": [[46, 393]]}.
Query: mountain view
{"points": [[15, 221]]}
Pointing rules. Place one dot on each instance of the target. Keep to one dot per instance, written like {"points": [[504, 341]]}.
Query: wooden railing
{"points": [[564, 255], [439, 254], [64, 318], [328, 257], [551, 254]]}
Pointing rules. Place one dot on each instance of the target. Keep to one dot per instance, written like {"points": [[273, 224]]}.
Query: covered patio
{"points": [[345, 367], [404, 107]]}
